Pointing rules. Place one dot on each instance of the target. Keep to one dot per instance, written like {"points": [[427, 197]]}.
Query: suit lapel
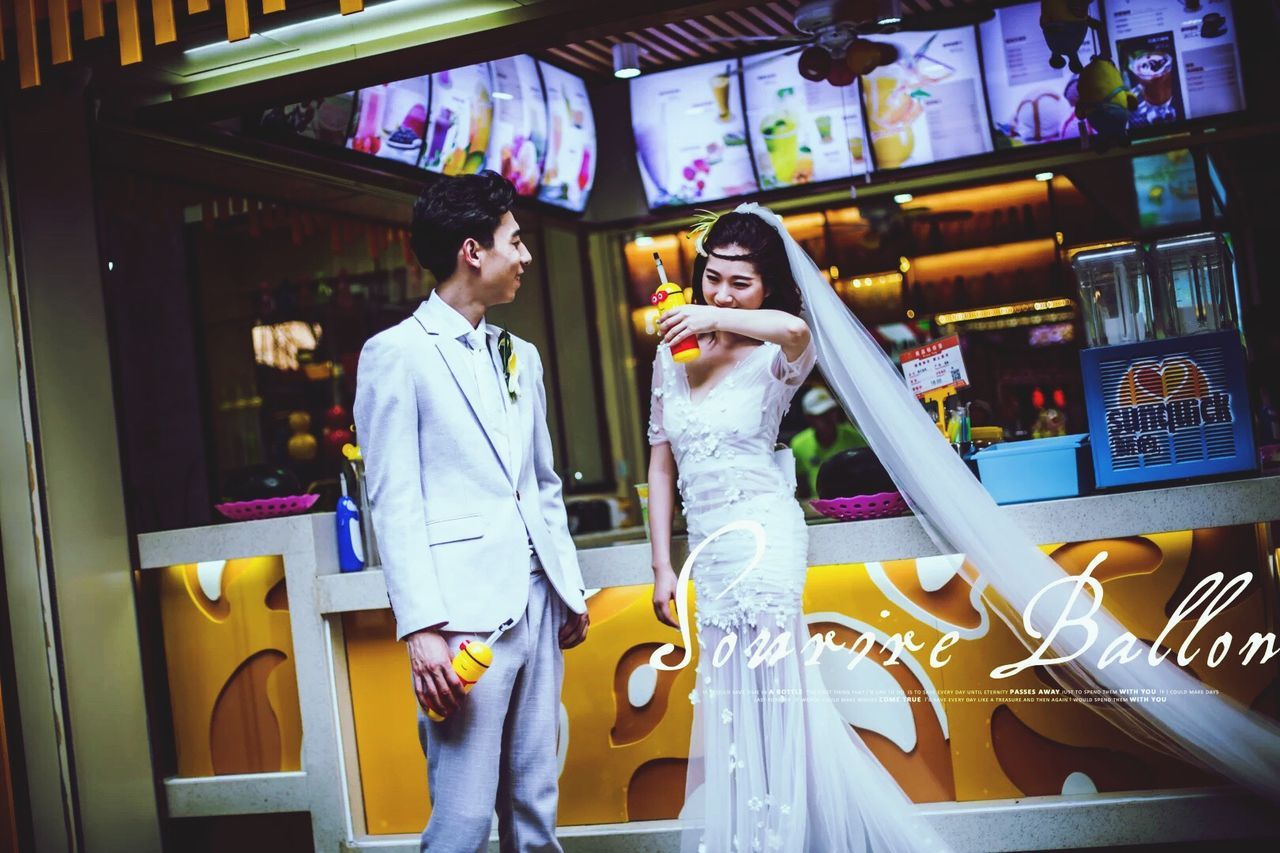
{"points": [[458, 359]]}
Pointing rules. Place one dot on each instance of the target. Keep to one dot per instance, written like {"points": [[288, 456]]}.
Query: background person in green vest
{"points": [[828, 434]]}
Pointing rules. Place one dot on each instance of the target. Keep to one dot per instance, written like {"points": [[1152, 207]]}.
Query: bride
{"points": [[777, 767]]}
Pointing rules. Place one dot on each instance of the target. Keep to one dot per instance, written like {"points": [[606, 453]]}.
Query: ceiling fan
{"points": [[830, 42]]}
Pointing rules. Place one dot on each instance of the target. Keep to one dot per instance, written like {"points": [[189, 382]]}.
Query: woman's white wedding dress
{"points": [[773, 766]]}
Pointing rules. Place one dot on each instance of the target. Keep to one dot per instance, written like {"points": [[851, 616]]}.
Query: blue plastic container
{"points": [[1037, 470]]}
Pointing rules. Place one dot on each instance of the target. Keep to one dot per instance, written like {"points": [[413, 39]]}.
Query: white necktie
{"points": [[493, 409]]}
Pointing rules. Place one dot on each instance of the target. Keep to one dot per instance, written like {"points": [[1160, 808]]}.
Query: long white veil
{"points": [[1212, 730]]}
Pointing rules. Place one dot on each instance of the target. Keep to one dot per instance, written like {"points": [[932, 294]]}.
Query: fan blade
{"points": [[740, 39], [943, 19], [747, 66]]}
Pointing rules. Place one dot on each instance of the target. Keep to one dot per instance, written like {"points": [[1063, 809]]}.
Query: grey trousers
{"points": [[498, 750]]}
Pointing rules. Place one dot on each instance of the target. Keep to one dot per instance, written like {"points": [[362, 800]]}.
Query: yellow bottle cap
{"points": [[480, 653]]}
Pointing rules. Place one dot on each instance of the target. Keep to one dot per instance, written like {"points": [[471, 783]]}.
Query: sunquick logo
{"points": [[1162, 397]]}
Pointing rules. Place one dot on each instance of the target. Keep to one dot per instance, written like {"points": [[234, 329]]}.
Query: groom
{"points": [[470, 523]]}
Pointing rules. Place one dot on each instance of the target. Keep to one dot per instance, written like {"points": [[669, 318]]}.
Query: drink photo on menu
{"points": [[1149, 66]]}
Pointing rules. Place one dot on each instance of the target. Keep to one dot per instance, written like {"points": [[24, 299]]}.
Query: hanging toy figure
{"points": [[472, 661], [1066, 24], [1105, 103]]}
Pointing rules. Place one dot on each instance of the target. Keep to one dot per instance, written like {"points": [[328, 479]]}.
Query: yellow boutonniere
{"points": [[510, 366]]}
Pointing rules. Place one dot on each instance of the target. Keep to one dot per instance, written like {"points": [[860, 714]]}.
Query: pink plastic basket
{"points": [[863, 507], [267, 507]]}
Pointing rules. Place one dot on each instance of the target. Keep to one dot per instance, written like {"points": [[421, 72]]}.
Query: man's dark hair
{"points": [[452, 209]]}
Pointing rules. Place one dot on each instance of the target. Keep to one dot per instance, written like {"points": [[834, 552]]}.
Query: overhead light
{"points": [[890, 13], [903, 198], [111, 265], [1044, 177], [626, 60], [502, 96]]}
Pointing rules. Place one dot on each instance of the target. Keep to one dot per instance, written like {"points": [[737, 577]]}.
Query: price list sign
{"points": [[936, 366]]}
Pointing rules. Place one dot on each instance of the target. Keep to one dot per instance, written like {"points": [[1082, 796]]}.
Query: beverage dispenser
{"points": [[1164, 374]]}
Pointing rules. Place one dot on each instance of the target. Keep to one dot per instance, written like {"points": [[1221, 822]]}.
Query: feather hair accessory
{"points": [[702, 224]]}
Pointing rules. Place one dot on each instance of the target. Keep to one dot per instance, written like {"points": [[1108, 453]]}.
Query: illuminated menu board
{"points": [[1031, 101], [460, 122], [391, 120], [325, 120], [930, 104], [1167, 189], [691, 139], [1179, 57], [570, 164], [518, 140], [801, 131]]}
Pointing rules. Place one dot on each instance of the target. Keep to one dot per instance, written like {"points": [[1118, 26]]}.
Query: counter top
{"points": [[1070, 520]]}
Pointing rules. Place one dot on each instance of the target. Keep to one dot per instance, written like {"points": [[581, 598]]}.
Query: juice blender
{"points": [[1194, 283], [1115, 295]]}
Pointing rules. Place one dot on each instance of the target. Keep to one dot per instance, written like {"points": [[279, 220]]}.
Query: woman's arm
{"points": [[662, 499], [786, 330]]}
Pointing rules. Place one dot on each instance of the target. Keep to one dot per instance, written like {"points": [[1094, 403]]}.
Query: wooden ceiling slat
{"points": [[774, 26], [748, 27], [785, 12], [588, 54], [698, 36], [59, 31], [678, 43], [694, 41], [602, 51], [568, 58], [91, 19], [729, 30], [704, 29], [644, 41]]}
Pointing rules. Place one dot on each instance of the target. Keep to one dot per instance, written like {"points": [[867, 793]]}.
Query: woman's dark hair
{"points": [[759, 244], [452, 209]]}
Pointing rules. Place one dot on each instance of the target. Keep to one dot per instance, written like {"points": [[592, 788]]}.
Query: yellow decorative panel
{"points": [[621, 762], [229, 656]]}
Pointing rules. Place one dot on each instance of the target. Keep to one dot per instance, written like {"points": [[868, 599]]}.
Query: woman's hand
{"points": [[664, 595], [679, 323]]}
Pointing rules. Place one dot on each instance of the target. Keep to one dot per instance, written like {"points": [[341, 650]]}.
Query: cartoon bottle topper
{"points": [[670, 295], [473, 660]]}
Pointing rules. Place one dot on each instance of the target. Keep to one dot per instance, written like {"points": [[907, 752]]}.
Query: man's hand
{"points": [[664, 595], [574, 630], [436, 684]]}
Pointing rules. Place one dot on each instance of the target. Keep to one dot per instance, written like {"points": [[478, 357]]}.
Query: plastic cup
{"points": [[642, 492]]}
